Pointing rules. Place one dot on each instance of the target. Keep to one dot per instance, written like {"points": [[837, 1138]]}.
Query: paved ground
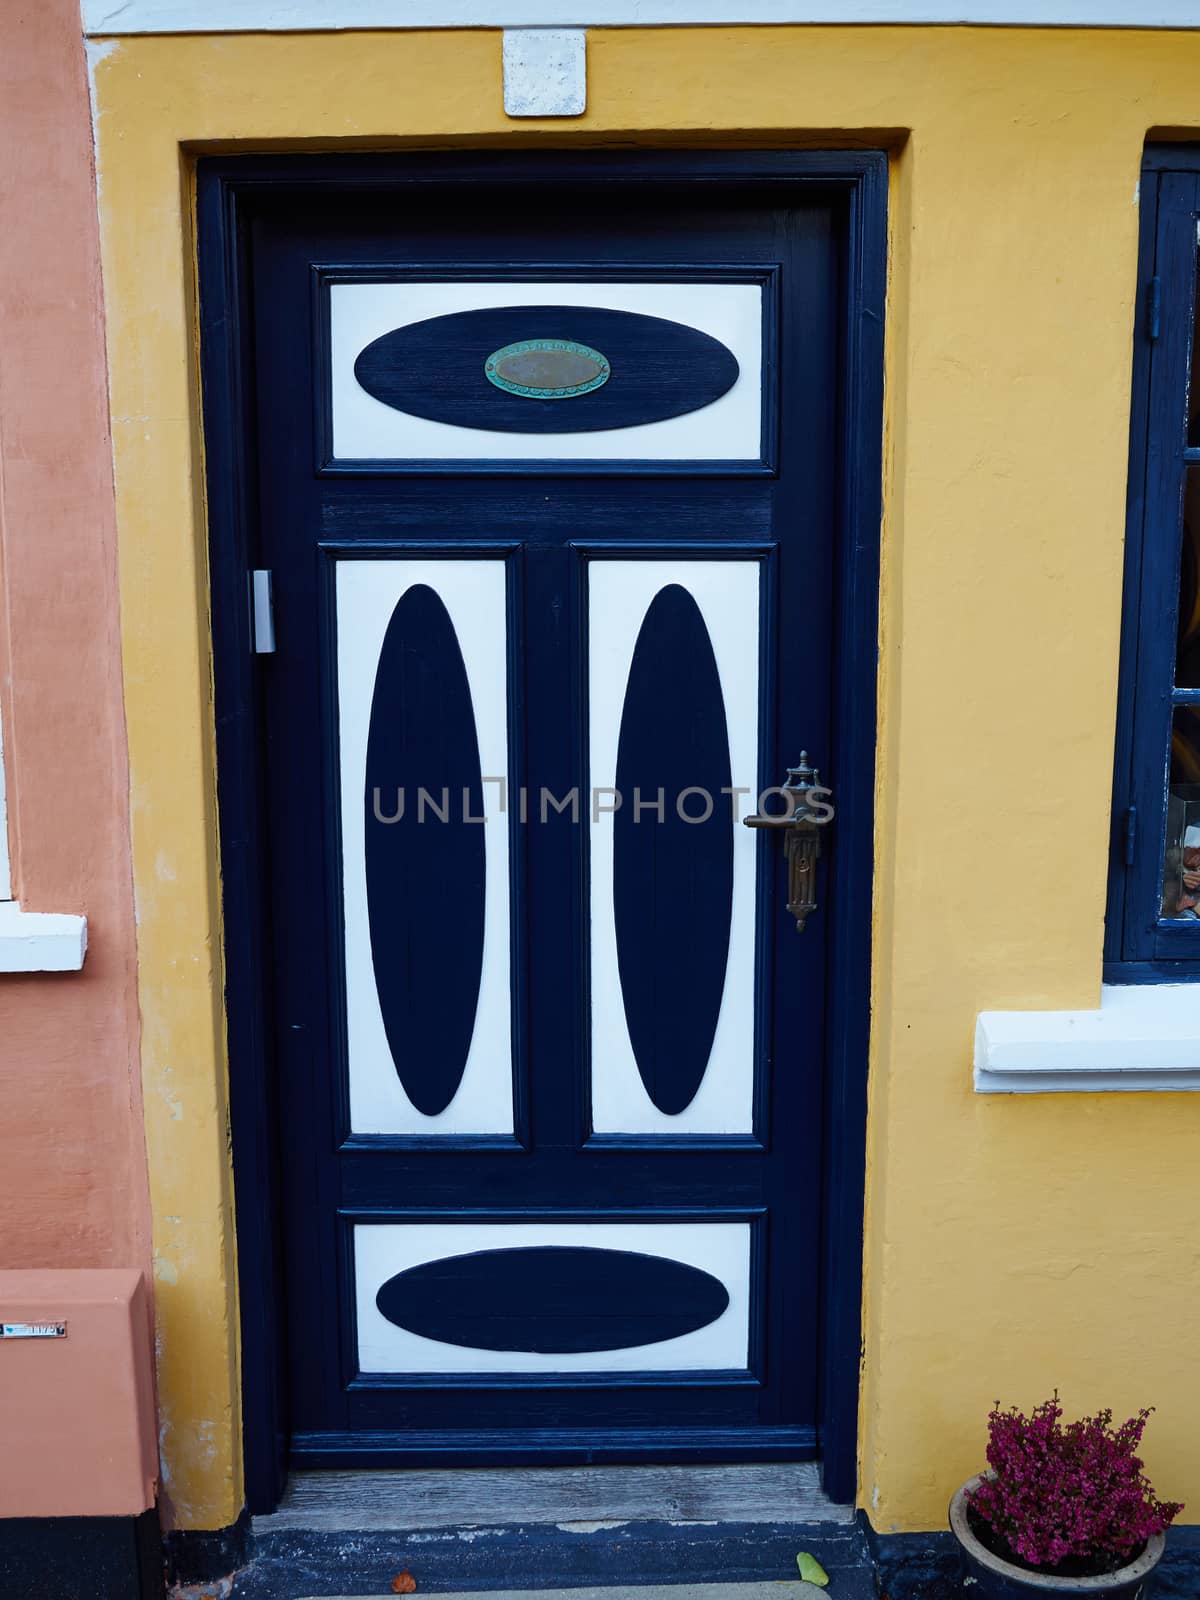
{"points": [[655, 1591], [634, 1561], [586, 1533], [597, 1533]]}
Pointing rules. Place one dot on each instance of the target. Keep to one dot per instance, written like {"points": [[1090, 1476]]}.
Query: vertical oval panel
{"points": [[425, 860], [673, 878]]}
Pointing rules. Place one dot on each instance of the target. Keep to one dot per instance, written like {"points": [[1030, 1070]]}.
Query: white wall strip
{"points": [[1144, 1036], [254, 16]]}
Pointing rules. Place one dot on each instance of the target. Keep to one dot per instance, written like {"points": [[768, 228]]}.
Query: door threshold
{"points": [[409, 1499]]}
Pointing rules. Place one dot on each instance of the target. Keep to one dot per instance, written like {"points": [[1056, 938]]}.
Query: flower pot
{"points": [[995, 1579]]}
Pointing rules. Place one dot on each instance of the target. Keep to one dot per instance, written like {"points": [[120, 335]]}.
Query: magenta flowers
{"points": [[1060, 1493]]}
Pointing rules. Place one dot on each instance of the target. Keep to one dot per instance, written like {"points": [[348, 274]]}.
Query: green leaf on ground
{"points": [[811, 1570]]}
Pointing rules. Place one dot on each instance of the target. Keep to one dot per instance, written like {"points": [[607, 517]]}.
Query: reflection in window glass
{"points": [[1181, 870], [1187, 659]]}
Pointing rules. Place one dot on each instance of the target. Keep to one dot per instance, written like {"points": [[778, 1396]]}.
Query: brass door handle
{"points": [[808, 812]]}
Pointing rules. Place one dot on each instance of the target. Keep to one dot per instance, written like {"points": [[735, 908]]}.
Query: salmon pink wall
{"points": [[79, 1410], [73, 1187]]}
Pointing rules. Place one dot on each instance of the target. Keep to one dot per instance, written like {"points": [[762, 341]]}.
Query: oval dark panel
{"points": [[673, 880], [552, 1299], [656, 369], [425, 876]]}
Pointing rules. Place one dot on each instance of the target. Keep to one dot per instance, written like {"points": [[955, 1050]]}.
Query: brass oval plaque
{"points": [[547, 369]]}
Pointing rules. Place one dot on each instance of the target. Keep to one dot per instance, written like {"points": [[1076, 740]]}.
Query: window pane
{"points": [[1187, 660], [1181, 870]]}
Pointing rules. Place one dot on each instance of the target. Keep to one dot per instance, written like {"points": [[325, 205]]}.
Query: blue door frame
{"points": [[233, 195]]}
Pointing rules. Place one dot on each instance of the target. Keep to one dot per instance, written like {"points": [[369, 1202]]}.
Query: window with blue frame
{"points": [[1154, 898]]}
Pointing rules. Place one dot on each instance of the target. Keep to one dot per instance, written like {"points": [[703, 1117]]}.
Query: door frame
{"points": [[226, 188]]}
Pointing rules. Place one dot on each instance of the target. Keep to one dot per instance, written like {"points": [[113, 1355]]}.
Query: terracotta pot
{"points": [[994, 1579]]}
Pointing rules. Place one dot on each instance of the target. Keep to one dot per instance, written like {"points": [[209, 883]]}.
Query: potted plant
{"points": [[1061, 1510]]}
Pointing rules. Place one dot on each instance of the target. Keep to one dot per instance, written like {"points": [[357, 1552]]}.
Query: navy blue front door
{"points": [[547, 485]]}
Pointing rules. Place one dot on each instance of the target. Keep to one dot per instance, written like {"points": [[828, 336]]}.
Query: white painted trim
{"points": [[255, 16], [40, 941], [1144, 1036]]}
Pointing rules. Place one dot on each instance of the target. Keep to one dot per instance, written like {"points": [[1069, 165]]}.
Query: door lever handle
{"points": [[808, 812]]}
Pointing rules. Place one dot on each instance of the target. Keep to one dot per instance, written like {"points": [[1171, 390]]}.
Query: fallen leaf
{"points": [[811, 1570], [404, 1582]]}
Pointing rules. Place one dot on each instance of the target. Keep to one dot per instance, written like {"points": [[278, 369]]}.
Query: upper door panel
{"points": [[636, 367]]}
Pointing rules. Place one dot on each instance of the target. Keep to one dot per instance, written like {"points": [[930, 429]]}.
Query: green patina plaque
{"points": [[547, 369]]}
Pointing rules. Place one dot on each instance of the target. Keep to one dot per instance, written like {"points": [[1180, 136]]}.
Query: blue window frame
{"points": [[1153, 930]]}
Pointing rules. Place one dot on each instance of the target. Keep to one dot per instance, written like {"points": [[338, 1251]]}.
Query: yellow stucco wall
{"points": [[1012, 1244]]}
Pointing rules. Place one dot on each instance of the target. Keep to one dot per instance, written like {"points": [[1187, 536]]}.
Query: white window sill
{"points": [[40, 941], [1144, 1036]]}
